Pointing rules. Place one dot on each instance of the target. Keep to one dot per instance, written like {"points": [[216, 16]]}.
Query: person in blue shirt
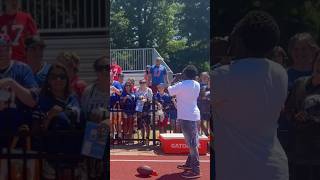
{"points": [[128, 104], [302, 47], [18, 90], [173, 114], [114, 104], [165, 100], [61, 111], [158, 74], [121, 80], [115, 91], [34, 50], [58, 102]]}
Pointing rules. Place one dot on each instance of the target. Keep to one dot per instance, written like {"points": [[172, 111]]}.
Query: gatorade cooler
{"points": [[174, 143]]}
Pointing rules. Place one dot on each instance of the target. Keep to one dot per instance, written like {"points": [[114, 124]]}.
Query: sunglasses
{"points": [[102, 68], [57, 76]]}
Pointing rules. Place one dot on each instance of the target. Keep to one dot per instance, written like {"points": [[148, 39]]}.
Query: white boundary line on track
{"points": [[149, 160]]}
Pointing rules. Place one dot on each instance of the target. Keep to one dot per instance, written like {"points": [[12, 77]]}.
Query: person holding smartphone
{"points": [[18, 91], [248, 96], [61, 111], [187, 93]]}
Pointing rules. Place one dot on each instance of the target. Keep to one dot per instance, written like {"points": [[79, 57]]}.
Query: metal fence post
{"points": [[154, 119], [144, 58]]}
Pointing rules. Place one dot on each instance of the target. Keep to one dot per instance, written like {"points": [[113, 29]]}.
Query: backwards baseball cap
{"points": [[34, 41], [5, 40]]}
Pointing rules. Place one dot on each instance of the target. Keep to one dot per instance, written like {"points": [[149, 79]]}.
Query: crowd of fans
{"points": [[45, 98], [132, 106], [299, 120], [48, 98]]}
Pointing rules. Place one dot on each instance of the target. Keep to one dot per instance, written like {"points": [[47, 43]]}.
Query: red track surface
{"points": [[123, 167]]}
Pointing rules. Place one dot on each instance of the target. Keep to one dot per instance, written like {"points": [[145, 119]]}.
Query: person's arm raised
{"points": [[167, 79], [116, 90]]}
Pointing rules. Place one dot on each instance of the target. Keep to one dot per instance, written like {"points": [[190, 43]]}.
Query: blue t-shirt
{"points": [[41, 76], [168, 106], [129, 104], [17, 113], [157, 74], [164, 99], [114, 98], [64, 120], [293, 75]]}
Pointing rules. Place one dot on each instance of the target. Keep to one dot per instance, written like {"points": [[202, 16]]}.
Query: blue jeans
{"points": [[191, 135]]}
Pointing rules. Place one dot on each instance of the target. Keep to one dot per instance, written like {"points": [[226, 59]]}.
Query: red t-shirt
{"points": [[18, 27], [116, 70], [78, 86], [134, 89]]}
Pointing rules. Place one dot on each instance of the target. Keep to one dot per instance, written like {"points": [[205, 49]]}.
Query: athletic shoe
{"points": [[190, 175], [184, 167]]}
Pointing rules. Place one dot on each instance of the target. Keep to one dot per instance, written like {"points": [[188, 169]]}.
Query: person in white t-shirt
{"points": [[187, 93], [248, 96]]}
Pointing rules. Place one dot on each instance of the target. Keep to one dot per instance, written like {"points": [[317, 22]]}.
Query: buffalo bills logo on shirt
{"points": [[157, 72]]}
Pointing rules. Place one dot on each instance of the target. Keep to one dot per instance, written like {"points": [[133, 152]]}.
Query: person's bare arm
{"points": [[115, 90], [54, 111], [149, 78], [22, 93], [167, 78]]}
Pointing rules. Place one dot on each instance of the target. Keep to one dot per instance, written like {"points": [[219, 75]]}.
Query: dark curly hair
{"points": [[259, 32], [190, 72]]}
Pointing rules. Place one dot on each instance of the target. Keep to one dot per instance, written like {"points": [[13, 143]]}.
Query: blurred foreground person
{"points": [[248, 97]]}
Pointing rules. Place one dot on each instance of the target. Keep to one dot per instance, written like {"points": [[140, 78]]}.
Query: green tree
{"points": [[194, 27], [144, 24], [195, 21], [119, 28], [293, 16], [170, 26]]}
